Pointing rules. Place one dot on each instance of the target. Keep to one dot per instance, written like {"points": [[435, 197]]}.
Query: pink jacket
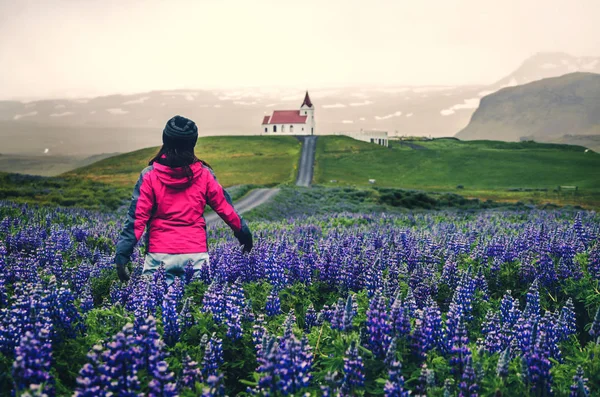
{"points": [[172, 207]]}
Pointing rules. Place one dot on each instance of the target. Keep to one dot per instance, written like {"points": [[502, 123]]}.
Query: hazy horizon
{"points": [[63, 48]]}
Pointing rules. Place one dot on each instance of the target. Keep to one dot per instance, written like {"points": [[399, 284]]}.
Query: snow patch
{"points": [[20, 116], [347, 122], [471, 103], [46, 151], [244, 103], [409, 115], [389, 116], [270, 105], [60, 106], [549, 66], [364, 103], [217, 106], [362, 119], [61, 114], [136, 101], [117, 111], [335, 105]]}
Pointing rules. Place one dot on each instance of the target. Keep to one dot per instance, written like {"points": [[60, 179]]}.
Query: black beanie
{"points": [[180, 133]]}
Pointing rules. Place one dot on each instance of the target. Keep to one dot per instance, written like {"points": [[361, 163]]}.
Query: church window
{"points": [[274, 128], [266, 129], [291, 128], [283, 128]]}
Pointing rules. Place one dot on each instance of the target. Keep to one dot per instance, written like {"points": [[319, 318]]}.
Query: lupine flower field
{"points": [[424, 304]]}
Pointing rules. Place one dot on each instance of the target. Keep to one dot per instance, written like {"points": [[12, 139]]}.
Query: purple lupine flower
{"points": [[432, 326], [121, 364], [149, 342], [91, 382], [468, 384], [579, 387], [326, 314], [234, 302], [159, 284], [273, 306], [189, 272], [162, 384], [354, 377], [176, 288], [507, 314], [419, 338], [310, 318], [258, 333], [593, 266], [267, 362], [378, 329], [215, 386], [213, 357], [337, 320], [66, 319], [87, 301], [170, 319], [33, 359], [214, 302], [399, 319], [191, 374], [294, 363], [491, 330], [460, 352], [186, 317], [391, 355], [481, 284], [537, 365], [410, 305], [394, 386]]}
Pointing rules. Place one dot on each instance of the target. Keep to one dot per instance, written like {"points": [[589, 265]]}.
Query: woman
{"points": [[169, 198]]}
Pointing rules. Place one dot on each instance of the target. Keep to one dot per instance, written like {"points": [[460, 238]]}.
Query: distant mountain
{"points": [[549, 64], [556, 109], [123, 123]]}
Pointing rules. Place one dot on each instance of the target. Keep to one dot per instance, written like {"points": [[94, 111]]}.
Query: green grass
{"points": [[238, 160], [486, 169]]}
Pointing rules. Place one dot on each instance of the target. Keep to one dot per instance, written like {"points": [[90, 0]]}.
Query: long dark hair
{"points": [[178, 158]]}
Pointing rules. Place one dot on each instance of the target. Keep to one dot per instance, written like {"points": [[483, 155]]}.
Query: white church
{"points": [[291, 122]]}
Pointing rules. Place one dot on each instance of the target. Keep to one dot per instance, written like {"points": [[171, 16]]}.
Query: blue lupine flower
{"points": [[273, 306], [378, 328], [170, 318], [91, 382], [579, 387], [162, 384], [186, 317], [214, 302], [191, 374], [234, 303], [468, 384], [354, 378], [33, 359], [215, 386], [213, 357], [394, 386], [310, 318]]}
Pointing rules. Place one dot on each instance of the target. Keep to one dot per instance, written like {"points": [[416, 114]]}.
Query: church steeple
{"points": [[307, 101]]}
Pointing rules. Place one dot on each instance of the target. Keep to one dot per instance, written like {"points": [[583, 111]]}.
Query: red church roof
{"points": [[307, 101], [285, 117]]}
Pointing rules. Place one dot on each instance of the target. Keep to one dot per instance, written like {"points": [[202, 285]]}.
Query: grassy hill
{"points": [[236, 161], [107, 183], [504, 171]]}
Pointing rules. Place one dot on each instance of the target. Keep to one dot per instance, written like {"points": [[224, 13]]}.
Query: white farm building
{"points": [[291, 122]]}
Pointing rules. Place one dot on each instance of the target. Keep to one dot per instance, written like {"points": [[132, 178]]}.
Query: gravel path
{"points": [[260, 196]]}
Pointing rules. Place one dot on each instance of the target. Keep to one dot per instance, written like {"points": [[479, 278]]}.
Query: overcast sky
{"points": [[56, 48]]}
